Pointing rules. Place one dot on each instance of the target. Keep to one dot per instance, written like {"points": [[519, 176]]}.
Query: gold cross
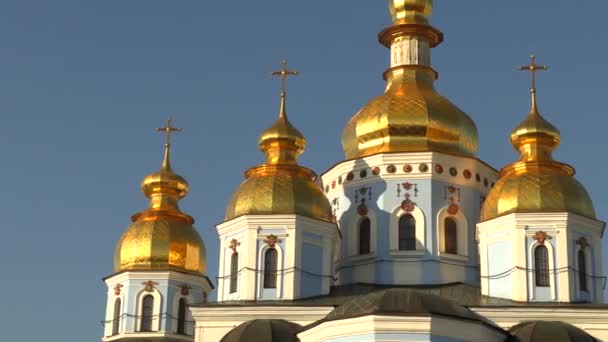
{"points": [[168, 130], [284, 73], [533, 68]]}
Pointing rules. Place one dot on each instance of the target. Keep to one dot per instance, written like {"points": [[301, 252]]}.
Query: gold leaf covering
{"points": [[410, 11], [280, 186], [162, 237], [536, 183], [410, 117]]}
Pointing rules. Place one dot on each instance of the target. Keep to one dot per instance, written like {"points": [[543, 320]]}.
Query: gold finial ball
{"points": [[411, 11]]}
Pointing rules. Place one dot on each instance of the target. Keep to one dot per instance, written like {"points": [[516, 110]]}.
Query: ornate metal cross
{"points": [[533, 68], [168, 130], [284, 74]]}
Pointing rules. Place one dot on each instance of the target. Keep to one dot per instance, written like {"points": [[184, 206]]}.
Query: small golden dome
{"points": [[282, 142], [280, 186], [411, 11], [162, 237], [536, 183], [410, 117], [274, 190]]}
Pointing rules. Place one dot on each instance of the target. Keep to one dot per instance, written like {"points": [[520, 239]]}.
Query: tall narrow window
{"points": [[365, 236], [270, 269], [234, 272], [450, 236], [116, 317], [407, 233], [181, 317], [582, 270], [541, 266], [147, 311]]}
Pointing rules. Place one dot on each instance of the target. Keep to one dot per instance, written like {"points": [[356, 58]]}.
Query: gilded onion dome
{"points": [[410, 116], [280, 185], [162, 237], [536, 183]]}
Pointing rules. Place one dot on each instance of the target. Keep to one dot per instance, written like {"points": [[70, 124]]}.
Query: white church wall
{"points": [[430, 186]]}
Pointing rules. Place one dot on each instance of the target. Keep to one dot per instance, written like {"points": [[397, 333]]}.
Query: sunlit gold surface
{"points": [[162, 237], [410, 117], [280, 186], [536, 183], [410, 11], [279, 189]]}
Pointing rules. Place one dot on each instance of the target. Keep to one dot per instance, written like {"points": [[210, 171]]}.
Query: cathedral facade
{"points": [[411, 237]]}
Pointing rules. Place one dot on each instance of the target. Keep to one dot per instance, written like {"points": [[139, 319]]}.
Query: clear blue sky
{"points": [[84, 83]]}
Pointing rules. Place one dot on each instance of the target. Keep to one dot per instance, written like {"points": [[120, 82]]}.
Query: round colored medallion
{"points": [[391, 169], [467, 174], [350, 176], [423, 168], [453, 172], [408, 168], [376, 171], [439, 168]]}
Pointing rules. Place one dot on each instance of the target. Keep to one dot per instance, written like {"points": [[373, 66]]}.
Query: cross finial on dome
{"points": [[284, 73], [533, 68], [168, 129]]}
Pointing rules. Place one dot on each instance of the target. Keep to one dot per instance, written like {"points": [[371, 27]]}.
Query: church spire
{"points": [[535, 138], [165, 188], [282, 142]]}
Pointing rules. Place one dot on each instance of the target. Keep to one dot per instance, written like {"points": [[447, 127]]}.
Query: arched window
{"points": [[541, 266], [147, 310], [181, 317], [116, 317], [407, 233], [365, 236], [582, 270], [450, 231], [234, 272], [270, 269]]}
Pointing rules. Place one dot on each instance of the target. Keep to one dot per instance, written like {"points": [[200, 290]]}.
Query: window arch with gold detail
{"points": [[407, 231], [453, 233], [361, 237]]}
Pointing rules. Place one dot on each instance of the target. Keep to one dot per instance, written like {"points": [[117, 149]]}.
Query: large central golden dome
{"points": [[280, 186], [162, 237], [410, 116]]}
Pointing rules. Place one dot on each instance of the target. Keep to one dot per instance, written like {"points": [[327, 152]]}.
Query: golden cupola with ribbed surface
{"points": [[280, 185], [411, 116], [536, 182], [162, 237]]}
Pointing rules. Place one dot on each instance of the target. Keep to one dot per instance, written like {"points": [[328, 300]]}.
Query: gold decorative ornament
{"points": [[162, 237], [271, 240], [280, 186], [149, 285], [185, 289], [410, 116], [536, 183], [234, 243], [583, 242], [541, 237], [118, 289]]}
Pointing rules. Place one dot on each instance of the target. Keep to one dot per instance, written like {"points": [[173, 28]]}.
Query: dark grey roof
{"points": [[264, 330], [401, 302], [544, 331]]}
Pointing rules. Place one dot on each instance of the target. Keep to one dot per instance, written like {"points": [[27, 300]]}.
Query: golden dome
{"points": [[162, 237], [410, 117], [536, 183], [280, 186], [411, 11]]}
